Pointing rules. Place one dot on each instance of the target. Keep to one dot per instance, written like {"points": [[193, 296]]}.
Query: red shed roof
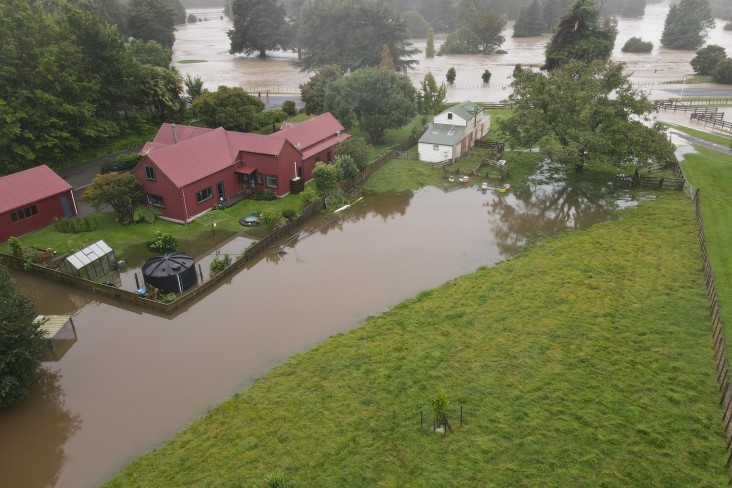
{"points": [[26, 187]]}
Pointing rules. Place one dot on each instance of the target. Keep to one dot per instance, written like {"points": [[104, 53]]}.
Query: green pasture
{"points": [[582, 362]]}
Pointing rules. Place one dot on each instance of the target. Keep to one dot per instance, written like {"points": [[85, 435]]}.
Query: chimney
{"points": [[175, 137]]}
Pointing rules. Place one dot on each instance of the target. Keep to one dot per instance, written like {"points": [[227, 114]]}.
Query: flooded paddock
{"points": [[207, 41], [132, 379]]}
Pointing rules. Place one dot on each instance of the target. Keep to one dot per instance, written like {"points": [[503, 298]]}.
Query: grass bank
{"points": [[711, 172], [584, 362]]}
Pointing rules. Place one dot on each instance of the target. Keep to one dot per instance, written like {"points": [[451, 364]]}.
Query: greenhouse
{"points": [[92, 262]]}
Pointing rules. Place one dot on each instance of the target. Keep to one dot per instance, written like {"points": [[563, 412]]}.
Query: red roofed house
{"points": [[30, 199], [187, 170]]}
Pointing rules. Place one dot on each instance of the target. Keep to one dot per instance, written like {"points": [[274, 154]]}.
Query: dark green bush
{"points": [[162, 243], [637, 45], [75, 225], [264, 195], [219, 264], [288, 106], [289, 214], [125, 162]]}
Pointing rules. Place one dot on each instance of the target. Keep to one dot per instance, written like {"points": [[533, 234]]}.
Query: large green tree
{"points": [[259, 25], [158, 91], [580, 35], [377, 99], [351, 34], [151, 20], [481, 34], [150, 52], [584, 113], [530, 21], [227, 107], [48, 107], [121, 191], [687, 24], [312, 93], [707, 58], [22, 343]]}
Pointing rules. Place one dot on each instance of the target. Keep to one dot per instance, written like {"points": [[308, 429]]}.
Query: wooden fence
{"points": [[644, 180], [718, 340], [247, 256], [689, 104]]}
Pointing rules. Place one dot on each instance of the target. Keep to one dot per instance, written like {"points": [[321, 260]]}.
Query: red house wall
{"points": [[161, 186], [48, 208], [281, 166], [231, 187]]}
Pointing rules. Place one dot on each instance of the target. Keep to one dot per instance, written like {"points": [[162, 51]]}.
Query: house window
{"points": [[24, 213], [155, 200], [330, 158], [271, 181], [260, 179], [436, 147], [449, 116], [149, 172], [204, 195]]}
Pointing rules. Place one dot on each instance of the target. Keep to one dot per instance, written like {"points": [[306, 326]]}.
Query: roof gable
{"points": [[464, 110], [305, 134], [29, 186]]}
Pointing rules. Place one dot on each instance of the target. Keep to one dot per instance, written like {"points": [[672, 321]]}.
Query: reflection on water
{"points": [[134, 378], [208, 41], [36, 456]]}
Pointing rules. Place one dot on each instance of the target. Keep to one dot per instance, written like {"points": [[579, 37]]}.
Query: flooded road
{"points": [[207, 41], [133, 379]]}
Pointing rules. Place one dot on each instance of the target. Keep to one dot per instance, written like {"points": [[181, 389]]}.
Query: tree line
{"points": [[74, 73]]}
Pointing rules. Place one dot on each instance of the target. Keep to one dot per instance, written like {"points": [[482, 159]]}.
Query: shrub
{"points": [[162, 243], [288, 106], [125, 162], [439, 404], [273, 219], [637, 45], [192, 19], [289, 214], [16, 246], [326, 178], [264, 195], [167, 297], [486, 76], [451, 75], [358, 149], [75, 225], [144, 213], [219, 264], [723, 72], [309, 196], [346, 166]]}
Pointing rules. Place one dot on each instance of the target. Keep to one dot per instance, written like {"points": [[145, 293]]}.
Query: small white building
{"points": [[453, 132]]}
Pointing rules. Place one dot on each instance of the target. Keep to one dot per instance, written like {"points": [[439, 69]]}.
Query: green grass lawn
{"points": [[711, 172], [719, 139], [129, 241], [583, 362]]}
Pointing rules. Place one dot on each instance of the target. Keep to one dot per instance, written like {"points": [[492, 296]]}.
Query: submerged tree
{"points": [[259, 25], [429, 51], [584, 113], [581, 36], [351, 34], [687, 24]]}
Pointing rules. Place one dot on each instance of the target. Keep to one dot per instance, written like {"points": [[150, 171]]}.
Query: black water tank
{"points": [[174, 272]]}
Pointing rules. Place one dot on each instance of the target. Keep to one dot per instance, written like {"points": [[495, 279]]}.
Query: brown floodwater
{"points": [[132, 378], [207, 41]]}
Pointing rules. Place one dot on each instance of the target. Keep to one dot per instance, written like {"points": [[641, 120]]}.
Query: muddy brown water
{"points": [[132, 379], [207, 41]]}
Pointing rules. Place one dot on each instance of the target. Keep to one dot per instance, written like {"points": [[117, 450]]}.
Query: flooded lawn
{"points": [[132, 379]]}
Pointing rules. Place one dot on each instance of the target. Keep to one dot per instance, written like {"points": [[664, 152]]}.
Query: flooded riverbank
{"points": [[133, 379], [208, 43]]}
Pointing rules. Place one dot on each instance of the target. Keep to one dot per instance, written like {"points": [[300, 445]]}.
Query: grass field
{"points": [[711, 172], [583, 362]]}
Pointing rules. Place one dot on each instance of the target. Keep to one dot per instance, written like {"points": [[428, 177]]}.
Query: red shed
{"points": [[187, 170], [30, 199]]}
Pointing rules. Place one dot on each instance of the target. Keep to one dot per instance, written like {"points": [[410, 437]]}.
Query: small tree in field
{"points": [[451, 75], [439, 406], [486, 76], [429, 51], [22, 343]]}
